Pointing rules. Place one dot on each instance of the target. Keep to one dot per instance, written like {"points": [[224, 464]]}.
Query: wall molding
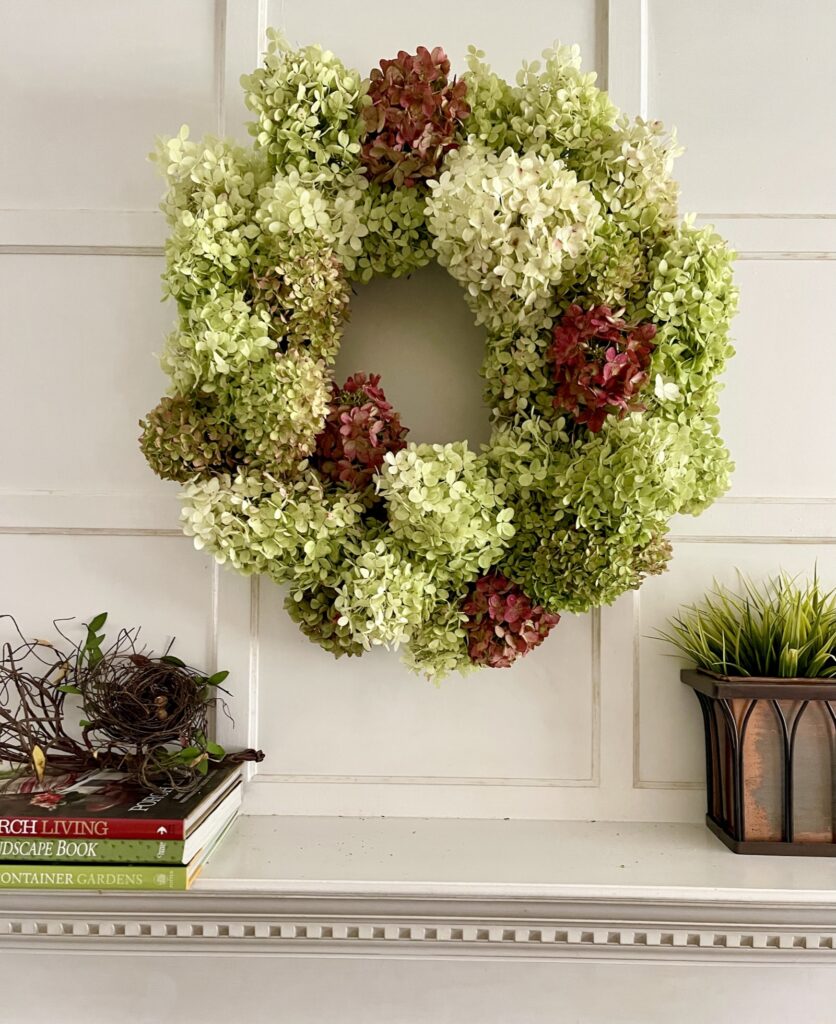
{"points": [[628, 54], [212, 924], [89, 531], [157, 252], [590, 781], [780, 539], [778, 257]]}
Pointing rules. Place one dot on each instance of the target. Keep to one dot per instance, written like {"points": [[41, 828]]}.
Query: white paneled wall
{"points": [[592, 725]]}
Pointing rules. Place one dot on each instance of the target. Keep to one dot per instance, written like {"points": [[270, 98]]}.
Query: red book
{"points": [[104, 805]]}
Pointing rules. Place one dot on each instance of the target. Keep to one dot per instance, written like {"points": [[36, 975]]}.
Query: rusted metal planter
{"points": [[770, 750]]}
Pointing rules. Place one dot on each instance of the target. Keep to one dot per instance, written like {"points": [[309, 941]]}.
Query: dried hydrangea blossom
{"points": [[305, 302], [502, 622], [308, 108], [210, 209], [412, 119], [314, 613], [509, 228], [600, 364], [383, 595], [292, 531], [298, 214], [692, 297], [275, 410], [618, 488], [560, 109], [629, 167], [397, 241], [438, 646], [443, 505], [552, 105], [516, 372], [360, 428], [220, 336], [182, 438]]}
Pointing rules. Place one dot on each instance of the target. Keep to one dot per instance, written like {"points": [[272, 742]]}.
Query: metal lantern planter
{"points": [[770, 748]]}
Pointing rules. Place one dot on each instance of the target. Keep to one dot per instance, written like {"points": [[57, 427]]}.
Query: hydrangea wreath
{"points": [[606, 319]]}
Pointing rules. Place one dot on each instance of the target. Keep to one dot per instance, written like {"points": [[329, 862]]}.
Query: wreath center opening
{"points": [[417, 333]]}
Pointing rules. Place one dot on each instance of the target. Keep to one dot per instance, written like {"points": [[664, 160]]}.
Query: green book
{"points": [[110, 876], [89, 876]]}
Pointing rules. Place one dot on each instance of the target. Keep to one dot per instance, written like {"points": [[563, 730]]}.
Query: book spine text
{"points": [[79, 876], [91, 828], [104, 851]]}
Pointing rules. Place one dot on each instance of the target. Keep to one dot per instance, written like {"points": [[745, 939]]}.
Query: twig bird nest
{"points": [[145, 714]]}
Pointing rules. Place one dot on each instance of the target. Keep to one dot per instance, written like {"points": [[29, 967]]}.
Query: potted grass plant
{"points": [[765, 678]]}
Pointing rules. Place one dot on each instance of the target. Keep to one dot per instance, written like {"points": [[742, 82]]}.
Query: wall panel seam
{"points": [[480, 781], [254, 675], [89, 531], [220, 65], [731, 538], [82, 250]]}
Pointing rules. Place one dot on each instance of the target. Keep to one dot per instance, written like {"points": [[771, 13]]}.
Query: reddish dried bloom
{"points": [[600, 364], [361, 426], [47, 799], [502, 623], [412, 120]]}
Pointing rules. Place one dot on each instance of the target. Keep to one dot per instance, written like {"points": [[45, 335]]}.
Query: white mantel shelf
{"points": [[447, 888]]}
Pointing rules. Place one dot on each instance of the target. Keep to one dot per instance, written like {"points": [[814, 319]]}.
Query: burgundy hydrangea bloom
{"points": [[600, 364], [360, 427], [412, 120], [502, 623]]}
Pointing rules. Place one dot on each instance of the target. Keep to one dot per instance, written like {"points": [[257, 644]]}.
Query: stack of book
{"points": [[99, 831]]}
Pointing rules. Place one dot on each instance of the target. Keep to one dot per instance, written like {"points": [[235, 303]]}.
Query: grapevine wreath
{"points": [[606, 320]]}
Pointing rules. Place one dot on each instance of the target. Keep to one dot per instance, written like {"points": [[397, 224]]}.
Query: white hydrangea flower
{"points": [[508, 226]]}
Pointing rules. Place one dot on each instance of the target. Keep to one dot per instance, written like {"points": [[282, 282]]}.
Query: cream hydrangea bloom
{"points": [[509, 227]]}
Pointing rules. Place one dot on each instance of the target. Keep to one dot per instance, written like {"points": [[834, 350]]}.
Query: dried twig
{"points": [[146, 715]]}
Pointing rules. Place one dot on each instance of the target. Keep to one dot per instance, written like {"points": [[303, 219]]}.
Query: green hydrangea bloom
{"points": [[629, 168], [383, 595], [396, 239], [493, 104], [591, 504], [275, 409], [517, 373], [298, 214], [560, 107], [210, 207], [443, 506], [185, 436], [693, 299], [307, 105], [304, 302], [216, 338], [438, 646], [292, 531], [314, 612]]}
